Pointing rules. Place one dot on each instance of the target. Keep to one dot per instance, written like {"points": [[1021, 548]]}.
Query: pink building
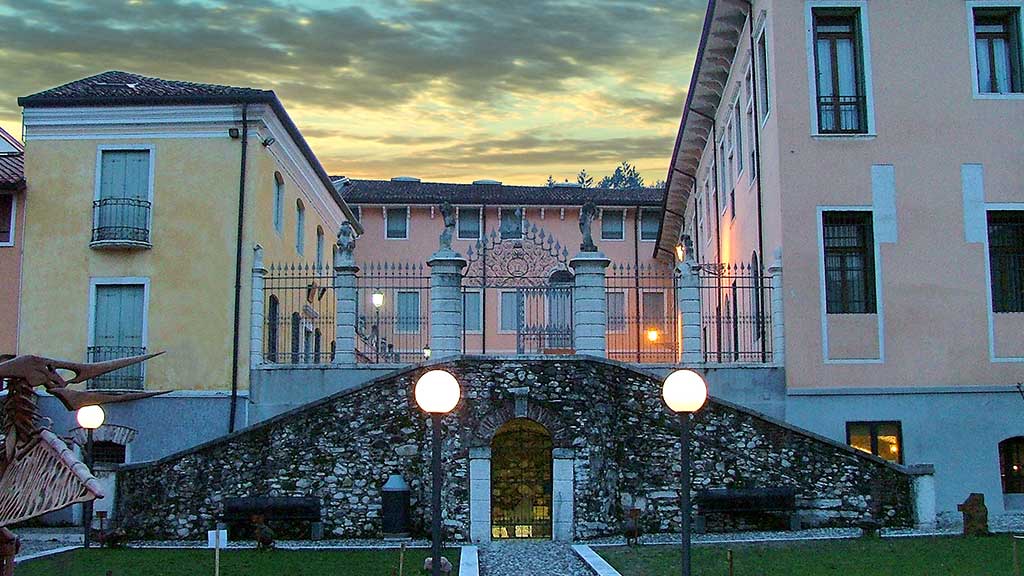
{"points": [[12, 220], [517, 241], [871, 152]]}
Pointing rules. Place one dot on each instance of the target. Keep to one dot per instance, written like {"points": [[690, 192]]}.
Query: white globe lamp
{"points": [[437, 392], [685, 391], [90, 417]]}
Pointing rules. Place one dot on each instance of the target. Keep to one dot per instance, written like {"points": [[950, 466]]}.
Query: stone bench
{"points": [[746, 501], [275, 508]]}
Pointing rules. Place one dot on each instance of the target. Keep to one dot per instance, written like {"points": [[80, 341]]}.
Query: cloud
{"points": [[486, 67]]}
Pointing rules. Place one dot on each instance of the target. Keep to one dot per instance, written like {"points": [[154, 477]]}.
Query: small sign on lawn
{"points": [[217, 539]]}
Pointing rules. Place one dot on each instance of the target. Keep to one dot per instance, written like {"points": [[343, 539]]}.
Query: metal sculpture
{"points": [[38, 472]]}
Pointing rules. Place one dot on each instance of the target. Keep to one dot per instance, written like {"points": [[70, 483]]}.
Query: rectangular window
{"points": [[616, 310], [997, 50], [278, 208], [469, 223], [737, 124], [407, 312], [751, 128], [511, 223], [509, 311], [118, 332], [723, 176], [650, 224], [121, 212], [763, 98], [882, 439], [397, 225], [653, 307], [839, 69], [472, 311], [1006, 260], [613, 224], [849, 262], [7, 219]]}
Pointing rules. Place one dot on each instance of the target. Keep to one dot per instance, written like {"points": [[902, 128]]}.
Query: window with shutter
{"points": [[121, 213], [118, 332]]}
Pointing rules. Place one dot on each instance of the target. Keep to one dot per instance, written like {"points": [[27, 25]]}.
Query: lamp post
{"points": [[685, 392], [437, 392], [378, 300], [90, 418]]}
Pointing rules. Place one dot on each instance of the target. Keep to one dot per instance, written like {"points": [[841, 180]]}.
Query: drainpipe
{"points": [[238, 269], [636, 282]]}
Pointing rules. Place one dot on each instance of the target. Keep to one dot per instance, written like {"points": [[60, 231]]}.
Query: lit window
{"points": [[613, 224], [882, 439], [1011, 465], [397, 225], [997, 48], [469, 223]]}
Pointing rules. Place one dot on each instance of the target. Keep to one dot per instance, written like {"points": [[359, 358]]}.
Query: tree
{"points": [[585, 180], [625, 177], [660, 184], [551, 181]]}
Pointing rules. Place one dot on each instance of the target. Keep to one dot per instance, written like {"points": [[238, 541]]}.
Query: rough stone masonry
{"points": [[623, 440]]}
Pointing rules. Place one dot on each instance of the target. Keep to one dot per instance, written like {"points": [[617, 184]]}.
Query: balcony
{"points": [[121, 223], [127, 378], [842, 115]]}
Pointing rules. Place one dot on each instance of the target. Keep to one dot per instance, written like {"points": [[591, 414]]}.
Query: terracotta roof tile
{"points": [[12, 164], [117, 86], [407, 192]]}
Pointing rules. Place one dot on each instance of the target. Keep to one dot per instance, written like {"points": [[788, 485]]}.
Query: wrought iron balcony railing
{"points": [[121, 222], [127, 378], [842, 115]]}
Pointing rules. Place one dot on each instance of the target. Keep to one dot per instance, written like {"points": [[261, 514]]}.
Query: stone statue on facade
{"points": [[448, 215], [346, 243], [31, 451], [588, 213]]}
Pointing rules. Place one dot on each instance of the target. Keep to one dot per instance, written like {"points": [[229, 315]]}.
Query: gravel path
{"points": [[530, 558], [35, 540]]}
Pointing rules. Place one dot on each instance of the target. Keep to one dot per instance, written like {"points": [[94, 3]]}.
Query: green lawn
{"points": [[950, 556], [232, 563]]}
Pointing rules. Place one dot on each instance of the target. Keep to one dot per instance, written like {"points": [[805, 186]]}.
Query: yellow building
{"points": [[147, 200]]}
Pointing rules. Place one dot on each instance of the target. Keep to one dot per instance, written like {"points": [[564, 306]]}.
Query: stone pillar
{"points": [[256, 315], [562, 495], [688, 304], [923, 489], [446, 303], [345, 297], [778, 325], [590, 315], [480, 494]]}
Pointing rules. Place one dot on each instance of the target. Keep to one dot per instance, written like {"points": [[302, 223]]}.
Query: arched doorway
{"points": [[1011, 469], [521, 482]]}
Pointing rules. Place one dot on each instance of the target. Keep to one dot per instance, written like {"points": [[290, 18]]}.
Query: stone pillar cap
{"points": [[446, 255]]}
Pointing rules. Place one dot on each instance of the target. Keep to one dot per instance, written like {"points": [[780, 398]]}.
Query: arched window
{"points": [[319, 247], [296, 338], [300, 226], [1011, 465], [273, 318], [333, 350], [316, 346], [278, 207]]}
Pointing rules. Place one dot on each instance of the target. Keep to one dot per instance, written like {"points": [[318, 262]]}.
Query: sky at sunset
{"points": [[513, 90]]}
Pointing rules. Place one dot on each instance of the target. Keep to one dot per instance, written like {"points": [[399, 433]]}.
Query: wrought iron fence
{"points": [[299, 310], [121, 219], [127, 378], [643, 325], [736, 315], [392, 312]]}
